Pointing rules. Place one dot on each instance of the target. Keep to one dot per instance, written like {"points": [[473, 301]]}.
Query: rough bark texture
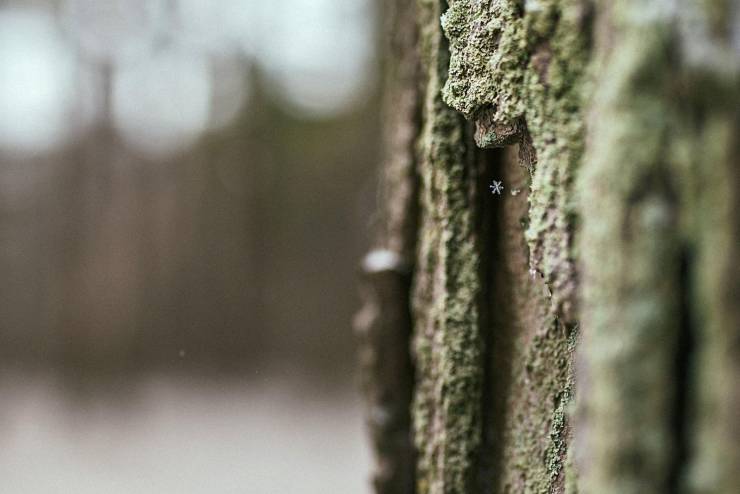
{"points": [[447, 343], [659, 250], [383, 326], [580, 332]]}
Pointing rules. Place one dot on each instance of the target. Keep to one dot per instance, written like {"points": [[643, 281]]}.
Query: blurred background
{"points": [[185, 190]]}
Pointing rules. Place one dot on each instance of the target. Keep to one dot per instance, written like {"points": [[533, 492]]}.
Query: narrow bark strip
{"points": [[384, 324], [447, 340]]}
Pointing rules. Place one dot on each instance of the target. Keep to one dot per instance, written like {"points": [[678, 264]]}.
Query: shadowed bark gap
{"points": [[497, 338], [685, 343]]}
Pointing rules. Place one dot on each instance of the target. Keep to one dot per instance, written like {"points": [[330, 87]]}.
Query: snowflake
{"points": [[496, 188]]}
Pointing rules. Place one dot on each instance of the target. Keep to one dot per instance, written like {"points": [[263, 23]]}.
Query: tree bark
{"points": [[581, 331]]}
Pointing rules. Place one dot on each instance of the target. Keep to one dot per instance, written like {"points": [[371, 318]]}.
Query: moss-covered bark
{"points": [[607, 271], [528, 385], [659, 246], [517, 71], [447, 343]]}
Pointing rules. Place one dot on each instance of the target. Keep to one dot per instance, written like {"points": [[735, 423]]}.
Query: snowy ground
{"points": [[181, 437]]}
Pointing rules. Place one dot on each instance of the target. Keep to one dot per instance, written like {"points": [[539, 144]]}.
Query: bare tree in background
{"points": [[579, 331]]}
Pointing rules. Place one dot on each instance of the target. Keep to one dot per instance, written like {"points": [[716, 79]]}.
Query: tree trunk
{"points": [[579, 331]]}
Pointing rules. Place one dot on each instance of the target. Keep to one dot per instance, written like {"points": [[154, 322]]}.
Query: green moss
{"points": [[558, 449], [447, 343], [486, 43], [537, 435]]}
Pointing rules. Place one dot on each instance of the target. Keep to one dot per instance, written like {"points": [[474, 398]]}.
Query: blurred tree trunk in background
{"points": [[580, 331]]}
